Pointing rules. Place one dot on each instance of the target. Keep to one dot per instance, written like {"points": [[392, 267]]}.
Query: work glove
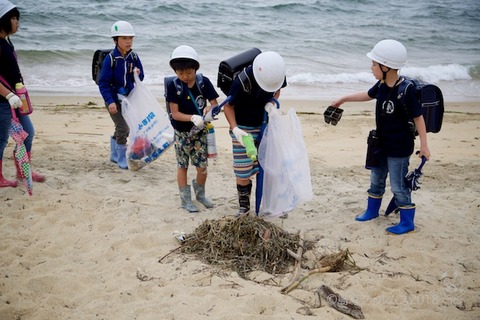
{"points": [[239, 134], [14, 100], [271, 107], [209, 116], [197, 120]]}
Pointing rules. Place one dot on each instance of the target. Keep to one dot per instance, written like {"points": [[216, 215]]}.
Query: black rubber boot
{"points": [[244, 199]]}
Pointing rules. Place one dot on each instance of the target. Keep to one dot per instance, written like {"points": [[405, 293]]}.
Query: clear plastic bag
{"points": [[283, 156], [151, 132]]}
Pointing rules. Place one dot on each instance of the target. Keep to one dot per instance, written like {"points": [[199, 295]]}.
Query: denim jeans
{"points": [[396, 168], [5, 122]]}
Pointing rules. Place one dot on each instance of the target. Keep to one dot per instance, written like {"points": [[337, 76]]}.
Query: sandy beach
{"points": [[87, 244]]}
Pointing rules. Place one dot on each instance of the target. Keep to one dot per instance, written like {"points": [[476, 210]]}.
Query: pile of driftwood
{"points": [[244, 244], [251, 243]]}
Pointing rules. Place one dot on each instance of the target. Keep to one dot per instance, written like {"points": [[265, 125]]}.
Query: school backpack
{"points": [[431, 101], [179, 86], [235, 66], [97, 62]]}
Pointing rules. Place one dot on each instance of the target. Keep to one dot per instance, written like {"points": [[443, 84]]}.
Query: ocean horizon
{"points": [[323, 42]]}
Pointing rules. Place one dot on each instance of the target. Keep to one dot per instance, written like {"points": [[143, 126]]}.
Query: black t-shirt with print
{"points": [[185, 103], [392, 119]]}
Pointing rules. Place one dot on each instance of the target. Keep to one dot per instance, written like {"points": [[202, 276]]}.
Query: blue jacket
{"points": [[112, 80]]}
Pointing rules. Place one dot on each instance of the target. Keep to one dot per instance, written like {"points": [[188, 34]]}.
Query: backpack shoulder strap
{"points": [[179, 90], [245, 81], [178, 86], [402, 90], [199, 81], [113, 61]]}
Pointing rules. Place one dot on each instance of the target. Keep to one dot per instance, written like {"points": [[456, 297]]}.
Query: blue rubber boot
{"points": [[407, 214], [122, 159], [113, 150], [372, 209], [392, 207]]}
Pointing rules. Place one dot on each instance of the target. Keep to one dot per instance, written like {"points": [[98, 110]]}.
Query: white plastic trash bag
{"points": [[284, 159], [151, 132]]}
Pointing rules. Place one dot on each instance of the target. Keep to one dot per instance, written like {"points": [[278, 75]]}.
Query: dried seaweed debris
{"points": [[243, 244]]}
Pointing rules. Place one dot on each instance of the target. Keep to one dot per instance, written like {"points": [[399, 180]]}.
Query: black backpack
{"points": [[235, 66], [431, 100], [97, 62]]}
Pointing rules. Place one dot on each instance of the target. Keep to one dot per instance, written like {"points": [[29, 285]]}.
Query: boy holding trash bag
{"points": [[393, 132], [245, 112], [187, 96], [116, 82]]}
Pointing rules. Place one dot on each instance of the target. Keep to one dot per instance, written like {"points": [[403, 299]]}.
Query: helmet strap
{"points": [[384, 78]]}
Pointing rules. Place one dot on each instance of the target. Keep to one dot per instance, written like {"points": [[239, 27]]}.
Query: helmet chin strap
{"points": [[384, 78]]}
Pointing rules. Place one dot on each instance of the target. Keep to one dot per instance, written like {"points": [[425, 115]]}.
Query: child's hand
{"points": [[14, 100], [239, 134], [136, 70], [208, 117], [197, 120], [112, 108], [424, 152], [336, 103]]}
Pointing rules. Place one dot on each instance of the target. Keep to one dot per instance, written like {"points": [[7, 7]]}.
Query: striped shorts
{"points": [[243, 166]]}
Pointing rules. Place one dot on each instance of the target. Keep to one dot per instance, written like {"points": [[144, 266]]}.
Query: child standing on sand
{"points": [[116, 82], [394, 133], [187, 106], [9, 76]]}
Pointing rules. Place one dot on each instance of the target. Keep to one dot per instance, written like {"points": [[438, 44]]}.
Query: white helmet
{"points": [[5, 7], [122, 28], [390, 53], [269, 71], [185, 52]]}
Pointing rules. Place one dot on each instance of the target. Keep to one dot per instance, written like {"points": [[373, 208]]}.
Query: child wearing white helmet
{"points": [[394, 133], [246, 111], [9, 76], [116, 82], [188, 95]]}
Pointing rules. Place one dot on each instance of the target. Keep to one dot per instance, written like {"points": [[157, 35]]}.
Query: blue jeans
{"points": [[397, 168], [5, 123]]}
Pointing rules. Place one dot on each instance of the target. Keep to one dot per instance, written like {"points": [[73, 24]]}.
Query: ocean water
{"points": [[323, 42]]}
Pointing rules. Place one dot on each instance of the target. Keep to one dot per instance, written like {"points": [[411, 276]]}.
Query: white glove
{"points": [[270, 106], [209, 117], [14, 100], [197, 120], [239, 134]]}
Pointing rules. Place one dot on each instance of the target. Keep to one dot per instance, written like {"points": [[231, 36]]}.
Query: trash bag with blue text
{"points": [[151, 132], [283, 156]]}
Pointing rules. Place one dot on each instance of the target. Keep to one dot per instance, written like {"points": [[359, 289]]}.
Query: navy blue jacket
{"points": [[112, 80]]}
